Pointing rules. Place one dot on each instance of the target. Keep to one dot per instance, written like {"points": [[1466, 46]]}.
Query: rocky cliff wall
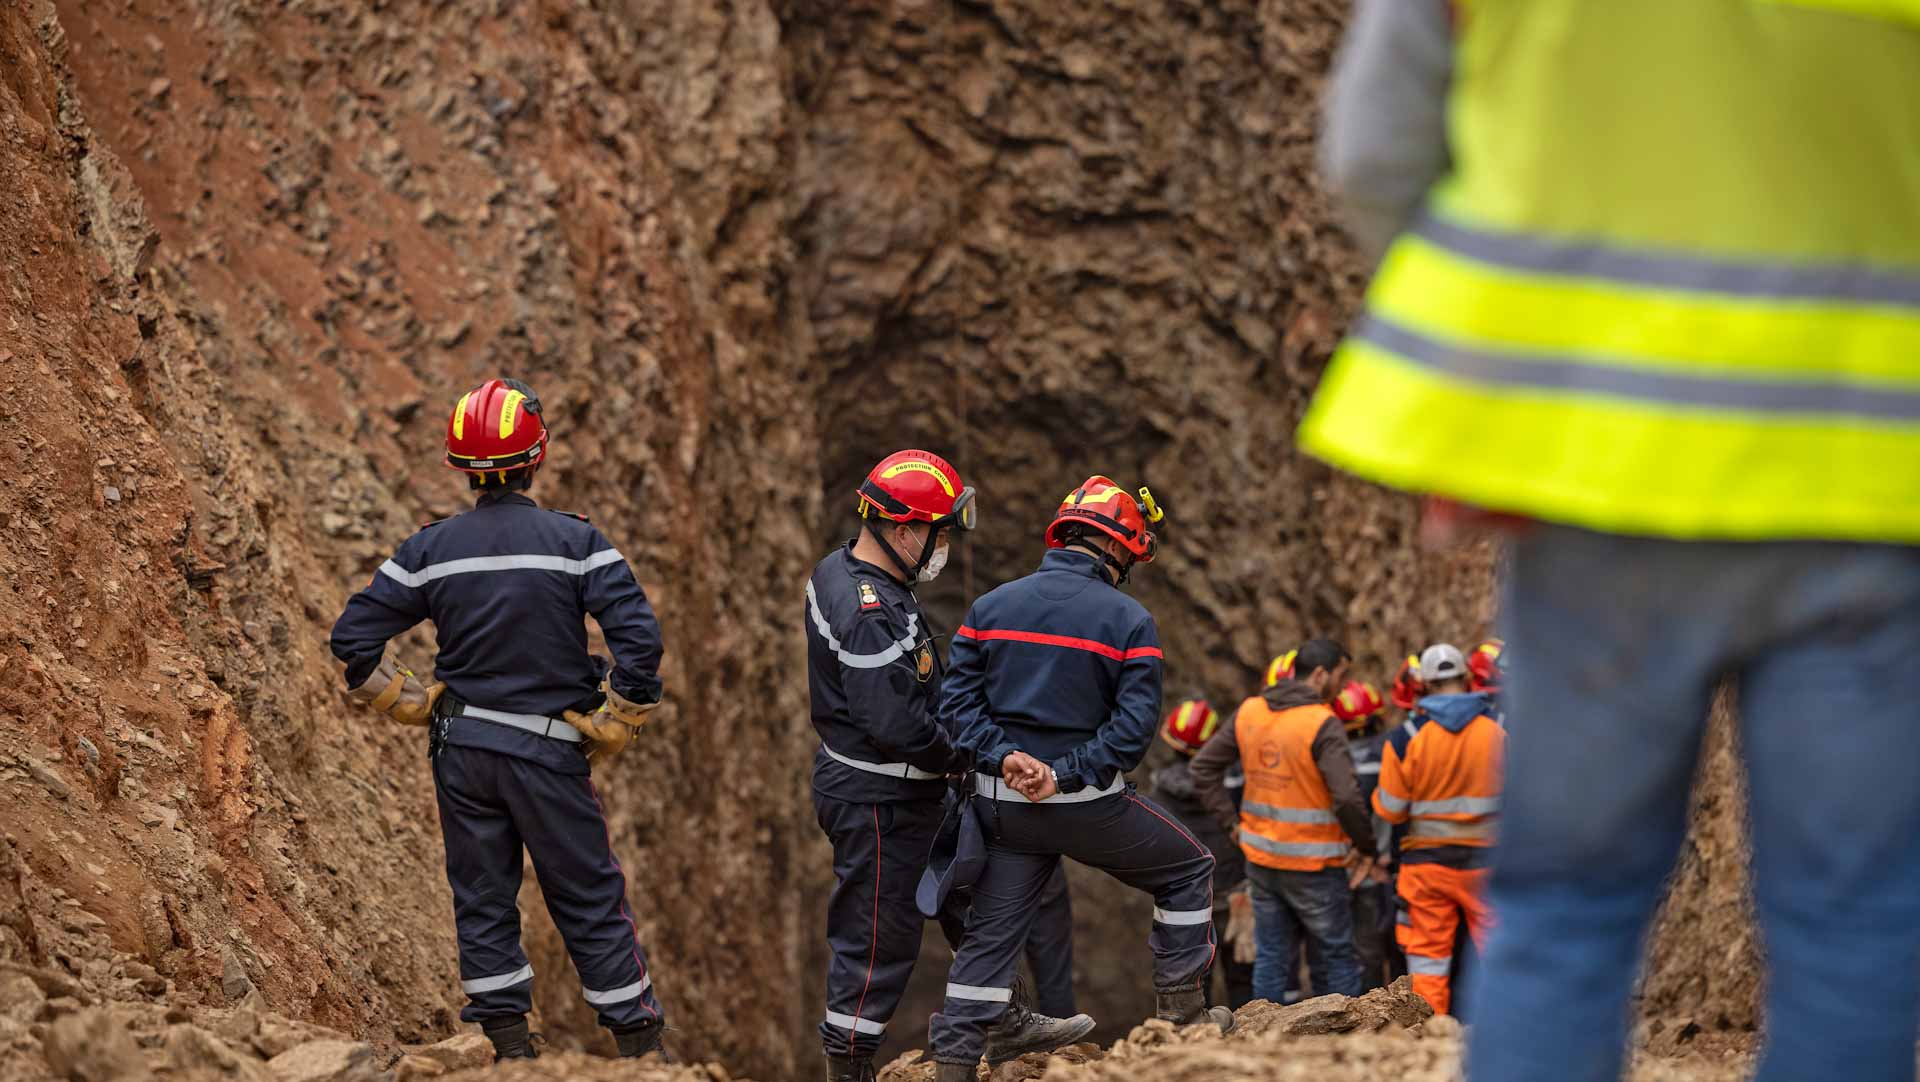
{"points": [[252, 250]]}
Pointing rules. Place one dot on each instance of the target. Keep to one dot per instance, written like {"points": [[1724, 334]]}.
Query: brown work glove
{"points": [[1240, 925], [610, 729], [394, 692]]}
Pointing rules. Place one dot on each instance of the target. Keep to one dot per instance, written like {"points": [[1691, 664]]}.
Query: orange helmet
{"points": [[1408, 687], [1190, 726], [1105, 506], [496, 427], [1356, 703], [1281, 668], [1484, 671]]}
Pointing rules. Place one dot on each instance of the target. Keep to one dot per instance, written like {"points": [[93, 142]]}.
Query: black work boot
{"points": [[640, 1041], [510, 1038], [1186, 1006], [945, 1071], [849, 1068], [1022, 1030]]}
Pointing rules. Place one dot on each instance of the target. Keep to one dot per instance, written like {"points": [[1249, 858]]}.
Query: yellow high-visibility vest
{"points": [[1672, 284]]}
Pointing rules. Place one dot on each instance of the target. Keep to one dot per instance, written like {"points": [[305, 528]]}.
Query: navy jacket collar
{"points": [[1075, 562], [489, 498]]}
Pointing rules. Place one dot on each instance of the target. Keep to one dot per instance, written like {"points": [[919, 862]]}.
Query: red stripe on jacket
{"points": [[1067, 641]]}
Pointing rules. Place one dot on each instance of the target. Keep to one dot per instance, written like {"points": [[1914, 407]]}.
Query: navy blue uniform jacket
{"points": [[508, 587], [1061, 665], [873, 678]]}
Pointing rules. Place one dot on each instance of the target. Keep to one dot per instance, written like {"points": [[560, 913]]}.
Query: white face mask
{"points": [[935, 565]]}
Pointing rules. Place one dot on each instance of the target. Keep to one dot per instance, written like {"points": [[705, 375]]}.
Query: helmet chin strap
{"points": [[911, 571], [1120, 570]]}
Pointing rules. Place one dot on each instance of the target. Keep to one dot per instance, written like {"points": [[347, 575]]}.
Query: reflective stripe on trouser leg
{"points": [[585, 890], [483, 869], [873, 927], [1165, 860], [1006, 901]]}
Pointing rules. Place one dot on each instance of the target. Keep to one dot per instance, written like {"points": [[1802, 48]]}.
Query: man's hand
{"points": [[1364, 870], [1045, 787], [1028, 776], [605, 732], [1020, 769], [1240, 926]]}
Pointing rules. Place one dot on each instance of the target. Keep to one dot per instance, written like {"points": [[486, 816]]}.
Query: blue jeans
{"points": [[1325, 910], [1617, 646]]}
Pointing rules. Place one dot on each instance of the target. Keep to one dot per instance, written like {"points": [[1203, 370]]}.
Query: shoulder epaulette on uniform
{"points": [[569, 514]]}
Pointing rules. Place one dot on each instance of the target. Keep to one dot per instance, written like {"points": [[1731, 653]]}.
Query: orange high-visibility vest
{"points": [[1286, 815], [1447, 786]]}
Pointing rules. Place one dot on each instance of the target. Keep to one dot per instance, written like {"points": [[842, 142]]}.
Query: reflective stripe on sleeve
{"points": [[1293, 849], [476, 564], [619, 995], [1183, 916], [1429, 967], [1287, 815], [855, 1025], [1460, 805], [975, 992], [1393, 804], [494, 983], [1366, 769], [885, 657]]}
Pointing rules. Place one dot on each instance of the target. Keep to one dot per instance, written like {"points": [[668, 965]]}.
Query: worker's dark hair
{"points": [[1318, 654]]}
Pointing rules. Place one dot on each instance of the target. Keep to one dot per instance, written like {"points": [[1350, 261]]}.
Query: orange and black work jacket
{"points": [[1301, 810], [1441, 776]]}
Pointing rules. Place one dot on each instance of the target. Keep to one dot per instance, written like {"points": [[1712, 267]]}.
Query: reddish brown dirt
{"points": [[742, 248]]}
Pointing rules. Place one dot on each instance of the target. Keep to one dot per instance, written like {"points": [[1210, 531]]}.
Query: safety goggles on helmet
{"points": [[965, 513]]}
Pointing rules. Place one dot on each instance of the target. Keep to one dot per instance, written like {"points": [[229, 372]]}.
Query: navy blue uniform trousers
{"points": [[492, 804], [874, 926], [1122, 834]]}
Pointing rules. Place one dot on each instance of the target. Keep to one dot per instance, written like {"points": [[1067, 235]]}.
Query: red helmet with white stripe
{"points": [[496, 428]]}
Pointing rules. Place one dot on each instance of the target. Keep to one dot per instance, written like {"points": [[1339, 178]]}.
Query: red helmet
{"points": [[1281, 668], [917, 486], [1356, 703], [1408, 687], [1190, 726], [1107, 507], [1484, 671], [496, 426]]}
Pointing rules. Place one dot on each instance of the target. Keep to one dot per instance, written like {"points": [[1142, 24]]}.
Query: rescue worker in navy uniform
{"points": [[879, 778], [1358, 707], [519, 712], [1054, 689]]}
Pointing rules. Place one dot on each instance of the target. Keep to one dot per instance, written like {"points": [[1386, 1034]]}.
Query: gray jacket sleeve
{"points": [[1330, 754], [1385, 137]]}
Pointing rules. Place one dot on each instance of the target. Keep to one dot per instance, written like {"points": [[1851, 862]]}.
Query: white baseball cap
{"points": [[1442, 661]]}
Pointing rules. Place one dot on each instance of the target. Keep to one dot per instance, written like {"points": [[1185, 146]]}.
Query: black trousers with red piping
{"points": [[873, 926], [494, 810], [1123, 834]]}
